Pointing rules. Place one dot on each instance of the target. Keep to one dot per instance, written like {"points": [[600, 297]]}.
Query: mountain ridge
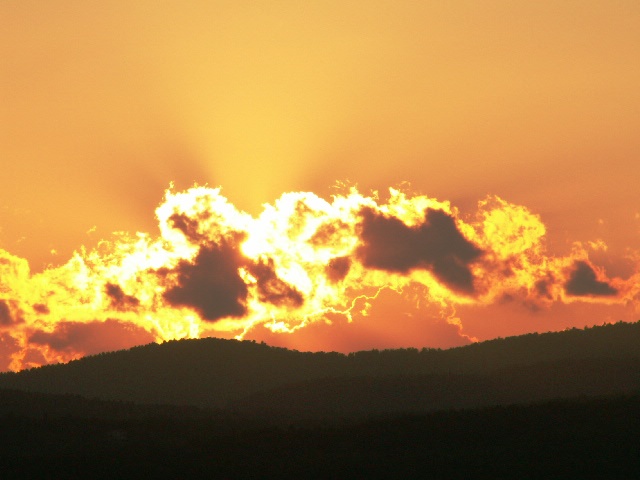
{"points": [[217, 373]]}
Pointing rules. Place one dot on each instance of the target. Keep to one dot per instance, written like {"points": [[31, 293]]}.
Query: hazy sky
{"points": [[103, 104]]}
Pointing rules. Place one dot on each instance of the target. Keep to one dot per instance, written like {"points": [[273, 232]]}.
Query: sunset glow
{"points": [[326, 177], [215, 270]]}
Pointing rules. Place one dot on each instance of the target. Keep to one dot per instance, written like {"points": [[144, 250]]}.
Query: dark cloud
{"points": [[583, 281], [120, 300], [338, 268], [543, 288], [8, 347], [272, 289], [93, 337], [41, 308], [211, 284], [520, 298], [7, 316], [187, 225], [435, 245]]}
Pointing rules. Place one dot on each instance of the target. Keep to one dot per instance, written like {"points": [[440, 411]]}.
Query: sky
{"points": [[507, 131]]}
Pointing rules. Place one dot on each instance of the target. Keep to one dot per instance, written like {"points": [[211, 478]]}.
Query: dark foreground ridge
{"points": [[580, 438]]}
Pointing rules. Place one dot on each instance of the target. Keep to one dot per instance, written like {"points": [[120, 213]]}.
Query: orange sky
{"points": [[102, 105]]}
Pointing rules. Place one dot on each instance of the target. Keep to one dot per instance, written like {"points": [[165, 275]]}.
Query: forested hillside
{"points": [[216, 373]]}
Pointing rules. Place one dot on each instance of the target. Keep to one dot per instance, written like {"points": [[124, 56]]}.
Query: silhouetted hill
{"points": [[341, 398], [216, 373], [207, 372]]}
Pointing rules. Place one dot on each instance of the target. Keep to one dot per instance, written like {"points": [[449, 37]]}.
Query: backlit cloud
{"points": [[210, 283], [584, 281], [215, 270], [435, 245]]}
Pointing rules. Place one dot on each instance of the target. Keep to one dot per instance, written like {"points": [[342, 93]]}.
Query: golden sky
{"points": [[103, 104]]}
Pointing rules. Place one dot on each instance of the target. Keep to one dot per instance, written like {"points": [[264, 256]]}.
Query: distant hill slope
{"points": [[216, 373], [47, 406], [369, 396]]}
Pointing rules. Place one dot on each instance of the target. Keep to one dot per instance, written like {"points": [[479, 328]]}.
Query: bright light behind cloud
{"points": [[217, 270]]}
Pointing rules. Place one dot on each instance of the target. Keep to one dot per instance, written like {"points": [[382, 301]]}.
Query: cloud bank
{"points": [[213, 268]]}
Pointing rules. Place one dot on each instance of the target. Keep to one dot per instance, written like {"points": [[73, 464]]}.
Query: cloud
{"points": [[5, 314], [8, 347], [330, 233], [583, 281], [543, 288], [338, 268], [211, 284], [7, 317], [187, 225], [272, 289], [120, 300], [302, 261], [41, 308], [435, 245], [92, 337]]}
